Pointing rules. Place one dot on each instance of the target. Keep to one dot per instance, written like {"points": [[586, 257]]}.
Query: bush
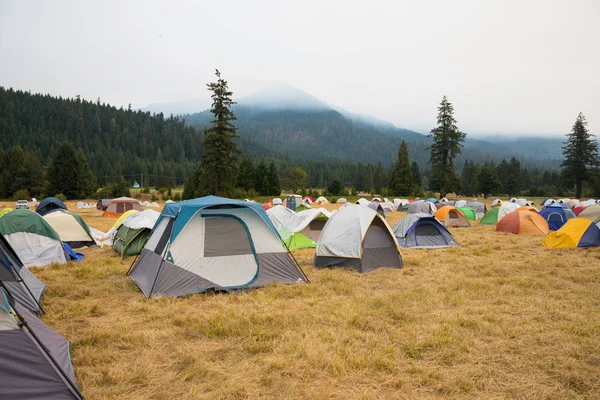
{"points": [[22, 194], [162, 191], [153, 198], [169, 193], [177, 197], [238, 193], [113, 190], [354, 192], [146, 190], [61, 197], [138, 196], [385, 192], [418, 192], [252, 194]]}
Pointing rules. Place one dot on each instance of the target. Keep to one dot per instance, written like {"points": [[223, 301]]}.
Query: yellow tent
{"points": [[123, 217]]}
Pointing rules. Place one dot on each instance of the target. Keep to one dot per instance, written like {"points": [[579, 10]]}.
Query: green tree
{"points": [[70, 174], [273, 178], [335, 188], [416, 173], [261, 180], [220, 151], [401, 179], [511, 187], [246, 174], [20, 170], [488, 180], [190, 186], [581, 154], [295, 178], [447, 143]]}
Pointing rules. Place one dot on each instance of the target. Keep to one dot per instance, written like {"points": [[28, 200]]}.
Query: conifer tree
{"points": [[401, 179], [447, 143], [488, 180], [581, 154], [246, 174], [261, 180], [416, 173], [273, 178], [220, 150], [70, 174]]}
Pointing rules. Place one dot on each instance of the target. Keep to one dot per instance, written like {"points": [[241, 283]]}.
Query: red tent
{"points": [[578, 209], [266, 206]]}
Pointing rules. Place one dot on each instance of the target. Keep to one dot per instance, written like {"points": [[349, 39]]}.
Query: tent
{"points": [[321, 200], [279, 215], [133, 233], [32, 238], [579, 208], [468, 212], [24, 286], [71, 228], [308, 200], [506, 208], [460, 203], [120, 205], [556, 216], [431, 200], [5, 211], [577, 232], [443, 200], [491, 217], [523, 222], [496, 203], [277, 201], [267, 206], [422, 231], [302, 207], [50, 204], [362, 201], [359, 238], [479, 208], [303, 229], [213, 243], [421, 207], [387, 206], [400, 202], [341, 200], [592, 213], [34, 360], [376, 199], [375, 206], [451, 217]]}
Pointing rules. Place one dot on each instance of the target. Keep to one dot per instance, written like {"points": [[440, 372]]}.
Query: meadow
{"points": [[498, 317]]}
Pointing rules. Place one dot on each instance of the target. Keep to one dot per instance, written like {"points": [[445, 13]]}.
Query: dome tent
{"points": [[71, 228], [357, 237], [34, 360], [479, 208], [279, 215], [133, 233], [421, 206], [377, 207], [468, 212], [422, 231], [450, 216], [235, 246], [556, 215], [491, 217], [523, 222], [303, 229], [591, 212], [120, 205], [577, 232], [50, 204], [32, 238]]}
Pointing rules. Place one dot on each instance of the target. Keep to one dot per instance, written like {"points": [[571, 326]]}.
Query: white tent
{"points": [[341, 200], [362, 201], [421, 207], [279, 215], [277, 201], [357, 237], [321, 200], [459, 203], [71, 228], [496, 202], [506, 208]]}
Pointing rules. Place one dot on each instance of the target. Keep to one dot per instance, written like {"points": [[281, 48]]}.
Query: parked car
{"points": [[22, 204], [102, 204]]}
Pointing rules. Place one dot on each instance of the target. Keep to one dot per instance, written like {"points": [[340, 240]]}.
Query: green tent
{"points": [[298, 241], [130, 242], [302, 207], [491, 217], [5, 211], [469, 213]]}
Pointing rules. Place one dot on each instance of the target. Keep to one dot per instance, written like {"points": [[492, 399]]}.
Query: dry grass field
{"points": [[499, 318]]}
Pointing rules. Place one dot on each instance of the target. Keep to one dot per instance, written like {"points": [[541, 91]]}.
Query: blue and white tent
{"points": [[213, 243], [422, 230], [50, 204], [556, 215]]}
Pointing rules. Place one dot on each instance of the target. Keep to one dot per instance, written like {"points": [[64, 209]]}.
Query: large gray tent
{"points": [[479, 208], [422, 231], [23, 285], [213, 243], [375, 206], [34, 360], [421, 207], [357, 237]]}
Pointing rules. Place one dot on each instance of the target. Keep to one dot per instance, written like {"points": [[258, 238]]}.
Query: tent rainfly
{"points": [[451, 217], [422, 231], [577, 232], [120, 205], [421, 207], [213, 243], [303, 229], [71, 228], [133, 233], [359, 238], [523, 222], [50, 204], [279, 215], [556, 215]]}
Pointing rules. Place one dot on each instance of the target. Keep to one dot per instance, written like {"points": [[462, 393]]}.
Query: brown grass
{"points": [[499, 317]]}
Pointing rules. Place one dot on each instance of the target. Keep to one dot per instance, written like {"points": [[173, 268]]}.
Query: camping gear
{"points": [[133, 233], [422, 231], [5, 211], [460, 203], [479, 208], [431, 200], [292, 201], [71, 228], [591, 212], [421, 207], [375, 206], [32, 238], [506, 208], [50, 204], [308, 200], [321, 200], [556, 215], [302, 207], [451, 216], [34, 360], [362, 201], [341, 200], [359, 238], [279, 215], [491, 217], [25, 287], [468, 212], [523, 222], [576, 232], [120, 205], [213, 243], [303, 229]]}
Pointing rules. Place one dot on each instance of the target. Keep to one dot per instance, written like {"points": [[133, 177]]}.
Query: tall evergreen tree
{"points": [[489, 183], [581, 154], [221, 152], [511, 187], [261, 180], [401, 179], [70, 174], [246, 174], [416, 173], [447, 143], [274, 184]]}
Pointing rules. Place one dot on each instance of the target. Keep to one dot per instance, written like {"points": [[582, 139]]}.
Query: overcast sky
{"points": [[515, 67]]}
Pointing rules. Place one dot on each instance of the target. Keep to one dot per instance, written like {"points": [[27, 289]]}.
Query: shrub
{"points": [[153, 198], [61, 197], [177, 197], [238, 193], [22, 194], [162, 191], [252, 194]]}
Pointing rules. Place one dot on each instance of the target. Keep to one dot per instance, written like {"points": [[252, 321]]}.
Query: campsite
{"points": [[499, 315]]}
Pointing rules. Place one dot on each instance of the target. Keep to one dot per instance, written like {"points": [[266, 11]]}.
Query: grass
{"points": [[499, 317]]}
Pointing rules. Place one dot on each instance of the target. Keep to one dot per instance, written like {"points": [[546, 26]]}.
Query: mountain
{"points": [[281, 96], [179, 107]]}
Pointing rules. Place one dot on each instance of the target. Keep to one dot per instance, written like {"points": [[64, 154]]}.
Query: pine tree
{"points": [[261, 180], [70, 174], [335, 188], [511, 187], [447, 143], [401, 179], [221, 153], [274, 184], [581, 154], [488, 180], [416, 173], [295, 178], [246, 174]]}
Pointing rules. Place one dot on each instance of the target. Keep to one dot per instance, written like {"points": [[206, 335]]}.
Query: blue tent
{"points": [[213, 243], [556, 215], [422, 230], [50, 204], [431, 200]]}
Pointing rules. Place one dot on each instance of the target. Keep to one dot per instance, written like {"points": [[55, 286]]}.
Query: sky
{"points": [[509, 67]]}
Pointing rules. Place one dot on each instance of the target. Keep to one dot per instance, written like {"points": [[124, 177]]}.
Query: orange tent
{"points": [[119, 206], [523, 221], [451, 217], [528, 208]]}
